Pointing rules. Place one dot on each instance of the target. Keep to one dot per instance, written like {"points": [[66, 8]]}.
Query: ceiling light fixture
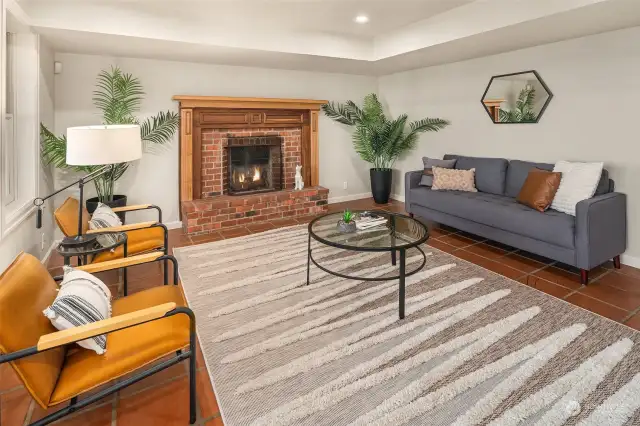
{"points": [[361, 19]]}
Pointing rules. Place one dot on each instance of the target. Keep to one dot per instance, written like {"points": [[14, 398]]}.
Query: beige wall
{"points": [[593, 116], [155, 178]]}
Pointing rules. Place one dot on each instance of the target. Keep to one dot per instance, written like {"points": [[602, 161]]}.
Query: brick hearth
{"points": [[225, 211]]}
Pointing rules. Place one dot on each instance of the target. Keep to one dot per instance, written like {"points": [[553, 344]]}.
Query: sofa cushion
{"points": [[501, 212], [491, 173], [517, 173], [518, 170], [605, 185], [539, 189]]}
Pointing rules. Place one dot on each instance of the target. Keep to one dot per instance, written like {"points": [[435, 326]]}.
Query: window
{"points": [[19, 144]]}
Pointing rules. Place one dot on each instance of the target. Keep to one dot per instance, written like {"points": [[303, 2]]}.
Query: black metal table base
{"points": [[401, 277]]}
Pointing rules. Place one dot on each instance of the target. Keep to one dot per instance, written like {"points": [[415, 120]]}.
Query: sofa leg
{"points": [[584, 277], [616, 262]]}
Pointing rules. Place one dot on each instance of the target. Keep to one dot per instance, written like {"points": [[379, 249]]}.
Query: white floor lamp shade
{"points": [[105, 144]]}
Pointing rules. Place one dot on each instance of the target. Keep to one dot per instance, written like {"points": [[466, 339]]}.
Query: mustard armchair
{"points": [[144, 329], [141, 237]]}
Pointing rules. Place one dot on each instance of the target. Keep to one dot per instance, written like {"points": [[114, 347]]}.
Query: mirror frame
{"points": [[542, 110]]}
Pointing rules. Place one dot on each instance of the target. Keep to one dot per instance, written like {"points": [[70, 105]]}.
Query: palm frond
{"points": [[373, 110], [118, 96], [428, 125], [505, 116], [377, 139], [160, 129], [356, 114], [338, 112], [524, 109], [53, 148]]}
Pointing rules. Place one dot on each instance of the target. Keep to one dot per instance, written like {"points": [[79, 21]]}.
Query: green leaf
{"points": [[377, 139], [339, 113], [159, 130], [118, 96]]}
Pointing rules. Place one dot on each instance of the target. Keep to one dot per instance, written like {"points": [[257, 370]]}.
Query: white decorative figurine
{"points": [[299, 181]]}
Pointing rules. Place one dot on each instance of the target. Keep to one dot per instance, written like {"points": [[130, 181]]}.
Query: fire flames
{"points": [[256, 175]]}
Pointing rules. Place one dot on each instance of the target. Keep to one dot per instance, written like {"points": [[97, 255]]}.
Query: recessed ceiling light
{"points": [[361, 19]]}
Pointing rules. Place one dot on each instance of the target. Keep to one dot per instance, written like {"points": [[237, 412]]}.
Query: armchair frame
{"points": [[134, 227], [121, 322]]}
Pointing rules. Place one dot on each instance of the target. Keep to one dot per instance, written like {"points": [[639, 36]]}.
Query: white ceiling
{"points": [[319, 34], [326, 16]]}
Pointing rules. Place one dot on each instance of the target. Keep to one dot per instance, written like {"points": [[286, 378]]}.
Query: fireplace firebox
{"points": [[254, 164]]}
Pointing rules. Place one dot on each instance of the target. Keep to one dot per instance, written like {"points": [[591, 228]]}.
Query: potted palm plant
{"points": [[380, 140], [118, 96]]}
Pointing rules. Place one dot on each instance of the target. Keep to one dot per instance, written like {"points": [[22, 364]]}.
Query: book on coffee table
{"points": [[370, 222]]}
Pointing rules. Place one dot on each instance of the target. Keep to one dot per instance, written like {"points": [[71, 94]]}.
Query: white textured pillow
{"points": [[104, 217], [579, 182], [82, 299]]}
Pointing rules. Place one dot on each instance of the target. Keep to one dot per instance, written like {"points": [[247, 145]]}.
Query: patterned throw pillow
{"points": [[453, 180], [104, 217], [429, 163], [82, 299], [579, 182]]}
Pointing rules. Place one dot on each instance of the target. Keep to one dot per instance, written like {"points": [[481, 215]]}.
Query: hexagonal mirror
{"points": [[516, 98]]}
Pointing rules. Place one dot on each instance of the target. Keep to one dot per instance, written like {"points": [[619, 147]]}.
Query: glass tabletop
{"points": [[393, 231], [96, 243]]}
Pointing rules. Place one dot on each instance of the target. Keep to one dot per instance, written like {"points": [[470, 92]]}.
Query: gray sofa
{"points": [[596, 234]]}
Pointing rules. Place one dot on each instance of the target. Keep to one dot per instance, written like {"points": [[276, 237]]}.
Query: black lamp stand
{"points": [[79, 239]]}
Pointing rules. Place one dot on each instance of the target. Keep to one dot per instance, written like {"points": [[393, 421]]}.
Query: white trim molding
{"points": [[397, 197], [360, 196], [47, 254], [625, 259]]}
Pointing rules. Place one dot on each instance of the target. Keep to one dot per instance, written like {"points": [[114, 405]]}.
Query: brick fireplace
{"points": [[238, 160], [215, 170]]}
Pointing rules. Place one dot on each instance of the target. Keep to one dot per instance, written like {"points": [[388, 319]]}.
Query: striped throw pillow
{"points": [[82, 299], [104, 217]]}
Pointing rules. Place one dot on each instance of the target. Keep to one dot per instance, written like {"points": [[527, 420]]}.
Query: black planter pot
{"points": [[118, 201], [380, 185]]}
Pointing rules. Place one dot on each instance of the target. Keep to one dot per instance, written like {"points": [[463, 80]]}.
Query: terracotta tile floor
{"points": [[162, 399]]}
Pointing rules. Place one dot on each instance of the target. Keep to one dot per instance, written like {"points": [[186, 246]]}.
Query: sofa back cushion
{"points": [[519, 170], [517, 173], [491, 173]]}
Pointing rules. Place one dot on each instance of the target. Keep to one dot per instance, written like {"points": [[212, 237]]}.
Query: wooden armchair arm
{"points": [[126, 209], [92, 268], [119, 322], [131, 208], [123, 228]]}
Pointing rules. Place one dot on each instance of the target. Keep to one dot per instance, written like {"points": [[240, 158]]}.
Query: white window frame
{"points": [[19, 171]]}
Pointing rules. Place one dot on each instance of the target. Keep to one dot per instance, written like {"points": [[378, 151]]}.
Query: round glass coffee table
{"points": [[396, 234]]}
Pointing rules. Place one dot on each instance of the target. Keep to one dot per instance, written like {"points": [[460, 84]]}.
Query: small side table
{"points": [[83, 252]]}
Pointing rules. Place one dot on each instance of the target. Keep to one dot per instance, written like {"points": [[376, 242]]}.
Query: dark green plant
{"points": [[377, 139], [347, 216], [523, 112], [118, 96]]}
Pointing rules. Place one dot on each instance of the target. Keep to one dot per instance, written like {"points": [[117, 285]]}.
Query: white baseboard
{"points": [[46, 256], [630, 260], [397, 197], [173, 225], [333, 200]]}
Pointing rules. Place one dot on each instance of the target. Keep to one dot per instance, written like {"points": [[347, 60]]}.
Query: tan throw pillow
{"points": [[453, 180], [539, 189]]}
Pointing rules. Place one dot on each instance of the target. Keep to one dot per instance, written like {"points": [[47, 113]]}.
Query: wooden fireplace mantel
{"points": [[227, 112]]}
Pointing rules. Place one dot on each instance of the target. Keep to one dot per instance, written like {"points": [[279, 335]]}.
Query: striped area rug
{"points": [[475, 348]]}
